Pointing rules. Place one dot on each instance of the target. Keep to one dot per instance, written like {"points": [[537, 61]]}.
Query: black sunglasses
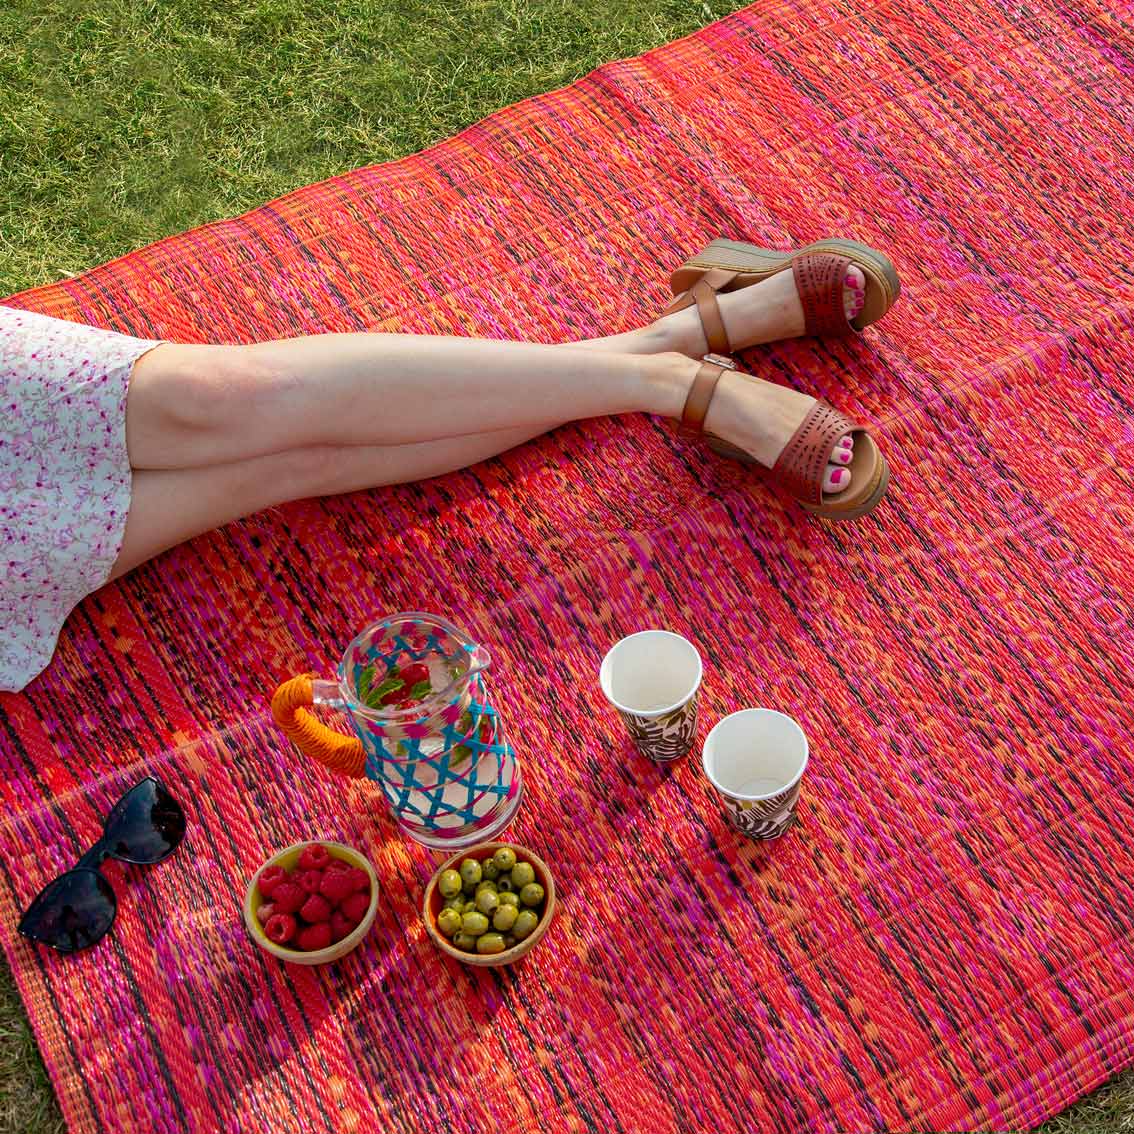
{"points": [[78, 908]]}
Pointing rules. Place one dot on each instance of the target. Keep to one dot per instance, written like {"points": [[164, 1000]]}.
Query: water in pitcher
{"points": [[430, 732], [404, 692]]}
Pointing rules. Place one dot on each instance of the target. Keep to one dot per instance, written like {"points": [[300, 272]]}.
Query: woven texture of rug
{"points": [[945, 941]]}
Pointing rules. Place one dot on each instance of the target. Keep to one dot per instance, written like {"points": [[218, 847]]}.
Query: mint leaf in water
{"points": [[364, 680], [421, 690], [377, 695]]}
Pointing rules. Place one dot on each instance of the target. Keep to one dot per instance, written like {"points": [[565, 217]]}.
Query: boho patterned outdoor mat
{"points": [[944, 942]]}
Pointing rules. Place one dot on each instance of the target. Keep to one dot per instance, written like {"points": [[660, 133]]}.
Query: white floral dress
{"points": [[64, 476]]}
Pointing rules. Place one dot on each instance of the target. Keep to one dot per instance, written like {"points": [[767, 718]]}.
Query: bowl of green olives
{"points": [[489, 905]]}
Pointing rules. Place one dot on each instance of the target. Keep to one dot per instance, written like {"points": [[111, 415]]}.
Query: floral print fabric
{"points": [[64, 476]]}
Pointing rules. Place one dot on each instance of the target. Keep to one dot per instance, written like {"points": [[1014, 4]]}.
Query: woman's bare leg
{"points": [[197, 405], [278, 421], [169, 506]]}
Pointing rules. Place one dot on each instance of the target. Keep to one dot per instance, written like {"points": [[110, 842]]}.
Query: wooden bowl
{"points": [[433, 901], [288, 859]]}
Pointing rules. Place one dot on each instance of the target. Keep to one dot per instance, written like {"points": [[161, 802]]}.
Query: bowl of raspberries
{"points": [[312, 903]]}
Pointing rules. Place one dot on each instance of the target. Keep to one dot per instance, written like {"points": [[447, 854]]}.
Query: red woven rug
{"points": [[945, 942]]}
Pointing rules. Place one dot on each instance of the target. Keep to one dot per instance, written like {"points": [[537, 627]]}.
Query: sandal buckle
{"points": [[720, 360]]}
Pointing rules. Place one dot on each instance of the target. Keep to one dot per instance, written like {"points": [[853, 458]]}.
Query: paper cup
{"points": [[756, 759], [652, 679]]}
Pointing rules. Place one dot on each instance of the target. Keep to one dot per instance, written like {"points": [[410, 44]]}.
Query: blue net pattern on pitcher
{"points": [[449, 768], [453, 771], [402, 651]]}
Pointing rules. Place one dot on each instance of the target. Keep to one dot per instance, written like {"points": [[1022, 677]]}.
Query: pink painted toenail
{"points": [[837, 476], [851, 281]]}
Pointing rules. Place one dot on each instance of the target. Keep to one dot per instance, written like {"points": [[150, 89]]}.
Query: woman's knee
{"points": [[186, 401], [206, 387]]}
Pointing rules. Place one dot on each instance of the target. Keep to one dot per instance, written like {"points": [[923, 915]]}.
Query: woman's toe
{"points": [[854, 291], [836, 479]]}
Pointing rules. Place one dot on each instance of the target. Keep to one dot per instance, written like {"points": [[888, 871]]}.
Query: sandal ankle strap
{"points": [[704, 294], [712, 324], [701, 393]]}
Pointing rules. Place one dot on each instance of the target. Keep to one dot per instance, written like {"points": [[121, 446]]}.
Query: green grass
{"points": [[126, 120]]}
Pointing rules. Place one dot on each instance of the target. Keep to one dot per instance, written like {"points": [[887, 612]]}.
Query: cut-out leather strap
{"points": [[700, 395], [819, 279], [800, 467]]}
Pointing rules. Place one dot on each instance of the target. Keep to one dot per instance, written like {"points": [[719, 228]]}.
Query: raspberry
{"points": [[280, 928], [264, 912], [414, 674], [316, 908], [314, 857], [336, 885], [314, 937], [309, 880], [341, 925], [288, 897], [359, 879], [355, 907], [270, 879], [338, 864], [395, 695]]}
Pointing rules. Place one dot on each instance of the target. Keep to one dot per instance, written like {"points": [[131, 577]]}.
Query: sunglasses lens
{"points": [[146, 824], [72, 912]]}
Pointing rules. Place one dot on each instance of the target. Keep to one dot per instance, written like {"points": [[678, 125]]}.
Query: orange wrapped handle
{"points": [[340, 753]]}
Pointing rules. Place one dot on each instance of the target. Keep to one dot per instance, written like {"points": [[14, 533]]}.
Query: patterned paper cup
{"points": [[756, 759], [652, 679]]}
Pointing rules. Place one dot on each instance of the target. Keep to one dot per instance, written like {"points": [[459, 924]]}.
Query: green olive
{"points": [[509, 898], [486, 885], [470, 871], [531, 894], [525, 923], [509, 940], [487, 901], [457, 903], [468, 907], [522, 874], [490, 869], [504, 884], [505, 858], [449, 883], [465, 941], [474, 923], [504, 918], [490, 943], [448, 921]]}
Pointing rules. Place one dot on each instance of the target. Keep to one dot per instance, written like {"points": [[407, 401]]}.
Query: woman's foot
{"points": [[762, 313], [761, 417], [758, 417]]}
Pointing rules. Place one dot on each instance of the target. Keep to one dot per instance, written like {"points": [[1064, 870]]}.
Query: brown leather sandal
{"points": [[820, 270], [800, 466]]}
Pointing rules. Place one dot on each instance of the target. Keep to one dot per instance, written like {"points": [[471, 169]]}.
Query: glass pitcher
{"points": [[438, 751]]}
